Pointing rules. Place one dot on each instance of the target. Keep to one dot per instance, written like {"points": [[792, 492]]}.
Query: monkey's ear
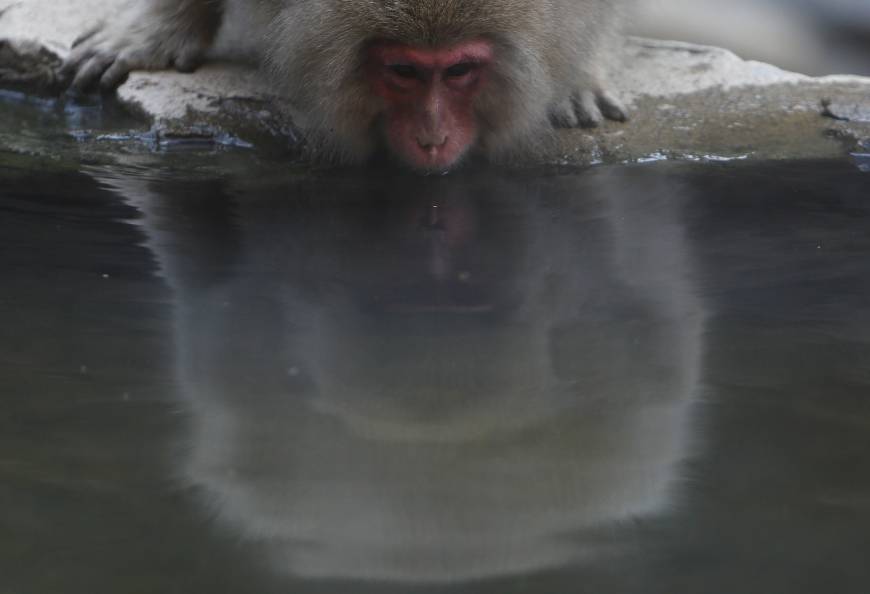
{"points": [[190, 227]]}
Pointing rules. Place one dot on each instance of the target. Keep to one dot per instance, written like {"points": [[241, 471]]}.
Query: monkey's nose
{"points": [[432, 143]]}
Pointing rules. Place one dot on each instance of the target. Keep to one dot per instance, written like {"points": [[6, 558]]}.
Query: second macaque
{"points": [[432, 81]]}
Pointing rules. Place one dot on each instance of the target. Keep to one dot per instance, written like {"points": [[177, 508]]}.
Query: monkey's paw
{"points": [[106, 55], [587, 109]]}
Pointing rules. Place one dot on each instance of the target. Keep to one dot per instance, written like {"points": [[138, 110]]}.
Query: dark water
{"points": [[632, 379]]}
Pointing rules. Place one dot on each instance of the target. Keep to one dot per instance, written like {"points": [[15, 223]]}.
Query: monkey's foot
{"points": [[106, 55], [587, 109]]}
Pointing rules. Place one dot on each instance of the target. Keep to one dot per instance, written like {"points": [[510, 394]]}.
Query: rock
{"points": [[703, 103], [846, 112], [818, 36], [688, 101], [28, 65]]}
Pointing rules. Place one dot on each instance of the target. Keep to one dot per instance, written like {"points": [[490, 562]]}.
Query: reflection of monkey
{"points": [[433, 383], [433, 78]]}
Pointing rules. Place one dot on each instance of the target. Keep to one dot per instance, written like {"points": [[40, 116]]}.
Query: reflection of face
{"points": [[415, 314], [440, 383]]}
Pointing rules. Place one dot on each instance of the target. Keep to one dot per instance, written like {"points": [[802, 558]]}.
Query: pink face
{"points": [[429, 95]]}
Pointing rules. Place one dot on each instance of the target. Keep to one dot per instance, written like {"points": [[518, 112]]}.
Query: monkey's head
{"points": [[428, 96], [429, 81]]}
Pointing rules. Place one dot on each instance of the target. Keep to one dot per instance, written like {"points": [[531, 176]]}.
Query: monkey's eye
{"points": [[459, 70], [403, 70]]}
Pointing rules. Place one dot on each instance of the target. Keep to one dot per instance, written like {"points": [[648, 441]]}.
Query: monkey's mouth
{"points": [[436, 157], [431, 156]]}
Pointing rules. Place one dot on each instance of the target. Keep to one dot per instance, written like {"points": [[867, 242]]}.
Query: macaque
{"points": [[432, 81]]}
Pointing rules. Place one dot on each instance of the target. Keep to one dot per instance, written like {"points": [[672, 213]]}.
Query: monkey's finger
{"points": [[562, 114], [73, 62], [130, 60], [86, 35], [586, 107], [611, 107], [116, 74], [91, 72]]}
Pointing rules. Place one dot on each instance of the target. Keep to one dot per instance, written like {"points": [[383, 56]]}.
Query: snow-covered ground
{"points": [[810, 36]]}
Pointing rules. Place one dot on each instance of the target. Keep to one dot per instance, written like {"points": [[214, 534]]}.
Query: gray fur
{"points": [[153, 35], [550, 60]]}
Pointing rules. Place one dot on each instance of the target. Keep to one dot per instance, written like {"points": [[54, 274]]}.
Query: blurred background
{"points": [[810, 36]]}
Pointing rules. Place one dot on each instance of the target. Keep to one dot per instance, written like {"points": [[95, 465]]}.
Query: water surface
{"points": [[627, 379]]}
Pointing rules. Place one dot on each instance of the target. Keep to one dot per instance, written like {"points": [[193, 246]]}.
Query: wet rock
{"points": [[26, 64], [846, 112]]}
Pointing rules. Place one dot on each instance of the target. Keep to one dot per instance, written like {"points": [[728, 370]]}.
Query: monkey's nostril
{"points": [[431, 143]]}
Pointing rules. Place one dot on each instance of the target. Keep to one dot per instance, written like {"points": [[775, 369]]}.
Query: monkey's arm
{"points": [[156, 34], [591, 42], [587, 108]]}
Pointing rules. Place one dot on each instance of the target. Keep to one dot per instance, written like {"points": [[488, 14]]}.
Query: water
{"points": [[219, 375]]}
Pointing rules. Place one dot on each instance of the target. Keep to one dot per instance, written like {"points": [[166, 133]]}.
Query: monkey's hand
{"points": [[143, 41], [587, 109]]}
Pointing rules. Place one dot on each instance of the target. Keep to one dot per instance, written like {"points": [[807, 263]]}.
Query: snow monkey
{"points": [[432, 81]]}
